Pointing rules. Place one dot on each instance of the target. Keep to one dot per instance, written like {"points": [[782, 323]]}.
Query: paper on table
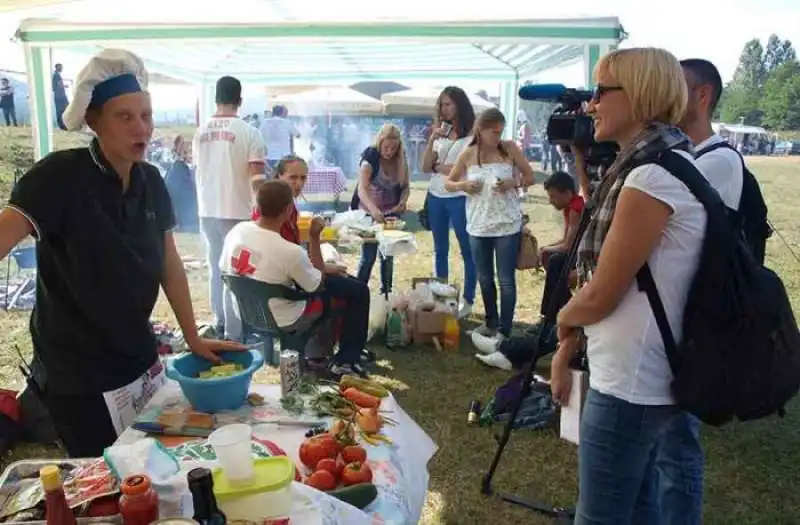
{"points": [[127, 402], [571, 414]]}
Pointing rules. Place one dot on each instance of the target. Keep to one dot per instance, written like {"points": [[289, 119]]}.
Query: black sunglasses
{"points": [[599, 91]]}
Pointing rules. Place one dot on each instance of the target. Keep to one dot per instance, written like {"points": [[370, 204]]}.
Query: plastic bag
{"points": [[378, 312]]}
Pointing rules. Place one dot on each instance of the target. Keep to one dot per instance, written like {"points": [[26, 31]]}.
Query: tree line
{"points": [[765, 89]]}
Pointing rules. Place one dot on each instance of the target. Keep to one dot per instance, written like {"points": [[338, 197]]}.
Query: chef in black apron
{"points": [[102, 219]]}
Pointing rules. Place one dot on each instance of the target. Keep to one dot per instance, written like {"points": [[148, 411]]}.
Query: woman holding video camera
{"points": [[643, 215]]}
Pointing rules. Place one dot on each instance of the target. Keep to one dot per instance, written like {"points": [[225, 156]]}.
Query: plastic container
{"points": [[173, 494], [57, 511], [215, 394], [139, 502], [267, 497], [452, 333], [233, 446]]}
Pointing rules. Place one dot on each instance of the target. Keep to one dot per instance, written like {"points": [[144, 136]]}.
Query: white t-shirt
{"points": [[723, 169], [447, 152], [625, 350], [223, 149], [490, 213], [278, 133], [266, 256]]}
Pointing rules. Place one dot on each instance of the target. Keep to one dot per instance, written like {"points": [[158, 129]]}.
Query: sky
{"points": [[688, 28]]}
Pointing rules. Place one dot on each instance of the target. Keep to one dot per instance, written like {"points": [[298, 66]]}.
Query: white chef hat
{"points": [[109, 74]]}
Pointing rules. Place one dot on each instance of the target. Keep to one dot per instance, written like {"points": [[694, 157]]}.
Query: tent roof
{"points": [[275, 48]]}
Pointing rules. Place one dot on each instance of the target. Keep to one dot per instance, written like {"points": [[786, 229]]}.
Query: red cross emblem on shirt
{"points": [[241, 264]]}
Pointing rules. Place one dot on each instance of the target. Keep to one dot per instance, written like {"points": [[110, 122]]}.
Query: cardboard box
{"points": [[429, 324]]}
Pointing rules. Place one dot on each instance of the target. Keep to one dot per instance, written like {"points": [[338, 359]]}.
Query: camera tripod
{"points": [[563, 515]]}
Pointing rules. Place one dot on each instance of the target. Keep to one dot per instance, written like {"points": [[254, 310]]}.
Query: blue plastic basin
{"points": [[217, 394]]}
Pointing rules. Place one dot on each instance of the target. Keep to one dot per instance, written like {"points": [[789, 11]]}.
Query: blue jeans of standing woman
{"points": [[619, 478], [442, 213], [504, 251]]}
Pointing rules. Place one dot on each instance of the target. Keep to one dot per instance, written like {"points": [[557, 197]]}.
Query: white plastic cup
{"points": [[232, 445]]}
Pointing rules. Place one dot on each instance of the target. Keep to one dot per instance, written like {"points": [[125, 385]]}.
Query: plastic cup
{"points": [[232, 445]]}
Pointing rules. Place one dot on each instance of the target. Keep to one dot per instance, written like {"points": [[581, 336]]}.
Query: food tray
{"points": [[28, 468]]}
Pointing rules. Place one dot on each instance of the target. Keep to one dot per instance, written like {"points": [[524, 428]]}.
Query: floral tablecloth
{"points": [[400, 470]]}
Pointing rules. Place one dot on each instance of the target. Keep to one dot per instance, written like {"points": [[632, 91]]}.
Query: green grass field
{"points": [[753, 471]]}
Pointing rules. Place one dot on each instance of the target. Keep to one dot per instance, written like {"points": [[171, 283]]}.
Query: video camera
{"points": [[569, 124]]}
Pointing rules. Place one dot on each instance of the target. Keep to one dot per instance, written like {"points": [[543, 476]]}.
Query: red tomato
{"points": [[315, 449], [322, 480], [354, 453], [332, 466], [355, 473]]}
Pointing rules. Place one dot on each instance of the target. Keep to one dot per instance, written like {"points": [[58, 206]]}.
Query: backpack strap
{"points": [[688, 174], [714, 147]]}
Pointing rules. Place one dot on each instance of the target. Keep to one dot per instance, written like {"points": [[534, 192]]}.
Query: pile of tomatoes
{"points": [[332, 464]]}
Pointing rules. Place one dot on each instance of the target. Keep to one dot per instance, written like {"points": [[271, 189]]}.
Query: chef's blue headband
{"points": [[114, 87]]}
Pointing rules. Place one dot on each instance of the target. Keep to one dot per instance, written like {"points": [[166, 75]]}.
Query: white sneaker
{"points": [[495, 359], [485, 344], [464, 310]]}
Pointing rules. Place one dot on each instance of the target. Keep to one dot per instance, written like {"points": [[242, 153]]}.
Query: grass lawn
{"points": [[752, 469]]}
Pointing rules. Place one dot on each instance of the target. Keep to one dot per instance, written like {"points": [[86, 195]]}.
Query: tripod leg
{"points": [[486, 487]]}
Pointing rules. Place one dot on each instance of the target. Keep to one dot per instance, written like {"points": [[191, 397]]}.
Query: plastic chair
{"points": [[24, 257], [252, 297]]}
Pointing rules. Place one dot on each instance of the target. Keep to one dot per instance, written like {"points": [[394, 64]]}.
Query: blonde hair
{"points": [[390, 131], [653, 80]]}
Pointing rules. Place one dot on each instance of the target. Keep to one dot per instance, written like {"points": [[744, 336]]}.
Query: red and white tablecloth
{"points": [[325, 180]]}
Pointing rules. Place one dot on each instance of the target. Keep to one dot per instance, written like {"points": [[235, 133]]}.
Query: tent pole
{"points": [[40, 89]]}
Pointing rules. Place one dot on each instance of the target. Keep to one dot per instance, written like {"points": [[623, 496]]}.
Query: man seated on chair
{"points": [[514, 352], [258, 250]]}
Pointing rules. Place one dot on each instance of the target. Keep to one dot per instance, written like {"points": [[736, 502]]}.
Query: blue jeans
{"points": [[679, 466], [214, 232], [504, 250], [442, 213], [369, 252], [618, 478]]}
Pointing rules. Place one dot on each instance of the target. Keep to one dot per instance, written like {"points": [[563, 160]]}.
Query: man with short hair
{"points": [[7, 104], [229, 154], [59, 96], [279, 133], [271, 258], [679, 463]]}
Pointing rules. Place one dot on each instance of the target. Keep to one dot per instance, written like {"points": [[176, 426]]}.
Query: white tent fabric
{"points": [[330, 100]]}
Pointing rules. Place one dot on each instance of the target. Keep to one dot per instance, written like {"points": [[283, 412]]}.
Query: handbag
{"points": [[422, 214], [528, 256]]}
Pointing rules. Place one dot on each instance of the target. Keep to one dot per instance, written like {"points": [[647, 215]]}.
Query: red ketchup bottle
{"points": [[57, 512], [139, 502]]}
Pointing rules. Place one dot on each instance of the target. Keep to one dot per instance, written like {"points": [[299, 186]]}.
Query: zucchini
{"points": [[358, 496]]}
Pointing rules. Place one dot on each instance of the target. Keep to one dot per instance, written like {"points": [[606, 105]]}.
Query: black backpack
{"points": [[752, 212], [739, 356]]}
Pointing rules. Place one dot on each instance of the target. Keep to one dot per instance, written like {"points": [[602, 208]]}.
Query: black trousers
{"points": [[355, 295], [556, 292], [520, 350], [10, 116], [82, 422]]}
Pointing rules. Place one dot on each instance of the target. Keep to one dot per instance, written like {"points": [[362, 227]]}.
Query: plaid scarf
{"points": [[655, 138]]}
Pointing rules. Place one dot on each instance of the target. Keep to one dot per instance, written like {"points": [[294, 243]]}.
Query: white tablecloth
{"points": [[400, 470]]}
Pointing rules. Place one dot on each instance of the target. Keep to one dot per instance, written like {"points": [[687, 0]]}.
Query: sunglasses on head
{"points": [[600, 90]]}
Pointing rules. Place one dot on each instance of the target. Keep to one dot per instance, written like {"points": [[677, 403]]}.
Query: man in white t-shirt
{"points": [[229, 153], [680, 459], [256, 249], [279, 133]]}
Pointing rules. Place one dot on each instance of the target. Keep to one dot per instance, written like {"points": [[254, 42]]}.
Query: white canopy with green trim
{"points": [[288, 51]]}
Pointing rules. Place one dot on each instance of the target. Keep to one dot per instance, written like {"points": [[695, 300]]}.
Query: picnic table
{"points": [[399, 469]]}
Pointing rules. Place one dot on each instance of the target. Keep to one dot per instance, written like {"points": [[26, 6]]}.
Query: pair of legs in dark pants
{"points": [[10, 116], [369, 252], [354, 293], [503, 250], [521, 350], [82, 422]]}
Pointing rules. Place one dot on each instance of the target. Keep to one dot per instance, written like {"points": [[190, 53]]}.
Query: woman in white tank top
{"points": [[485, 172]]}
